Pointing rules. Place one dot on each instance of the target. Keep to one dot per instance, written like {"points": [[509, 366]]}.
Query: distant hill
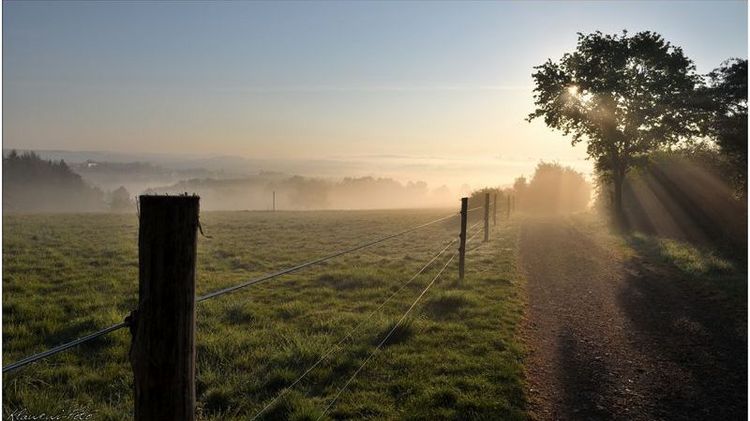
{"points": [[31, 184], [136, 177]]}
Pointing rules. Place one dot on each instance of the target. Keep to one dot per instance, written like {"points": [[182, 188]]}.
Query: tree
{"points": [[120, 200], [625, 95], [555, 189], [477, 197], [726, 98], [519, 187]]}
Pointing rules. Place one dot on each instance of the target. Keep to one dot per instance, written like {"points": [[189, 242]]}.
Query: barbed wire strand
{"points": [[475, 233], [317, 261], [60, 348], [383, 341], [336, 346]]}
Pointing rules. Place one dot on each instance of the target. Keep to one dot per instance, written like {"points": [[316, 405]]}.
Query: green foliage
{"points": [[66, 275], [726, 102], [626, 95]]}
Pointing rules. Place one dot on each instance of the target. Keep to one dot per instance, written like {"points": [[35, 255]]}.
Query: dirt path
{"points": [[616, 337]]}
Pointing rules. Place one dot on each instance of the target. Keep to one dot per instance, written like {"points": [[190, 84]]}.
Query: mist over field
{"points": [[235, 183]]}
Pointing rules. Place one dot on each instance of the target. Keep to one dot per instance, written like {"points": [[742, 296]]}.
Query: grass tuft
{"points": [[402, 332], [239, 314], [292, 309], [447, 303], [293, 407], [217, 400]]}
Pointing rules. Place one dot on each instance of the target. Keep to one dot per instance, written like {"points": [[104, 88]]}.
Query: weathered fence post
{"points": [[462, 238], [162, 352], [494, 210], [508, 211], [486, 217], [274, 201]]}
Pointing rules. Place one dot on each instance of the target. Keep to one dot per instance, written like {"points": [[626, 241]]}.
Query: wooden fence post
{"points": [[162, 352], [486, 217], [462, 238], [274, 201], [494, 210], [508, 211]]}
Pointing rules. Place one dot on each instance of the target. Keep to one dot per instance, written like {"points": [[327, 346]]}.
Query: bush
{"points": [[553, 189]]}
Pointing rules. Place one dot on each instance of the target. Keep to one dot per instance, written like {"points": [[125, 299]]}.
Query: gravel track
{"points": [[620, 337]]}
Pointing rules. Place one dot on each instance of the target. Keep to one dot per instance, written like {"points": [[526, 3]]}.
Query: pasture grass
{"points": [[457, 356], [703, 266]]}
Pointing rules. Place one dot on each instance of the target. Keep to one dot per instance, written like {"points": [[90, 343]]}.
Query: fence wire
{"points": [[475, 232], [386, 337], [336, 346], [60, 348], [63, 347], [319, 260]]}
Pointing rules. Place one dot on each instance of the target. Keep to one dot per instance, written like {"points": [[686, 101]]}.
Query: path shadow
{"points": [[698, 343], [583, 377]]}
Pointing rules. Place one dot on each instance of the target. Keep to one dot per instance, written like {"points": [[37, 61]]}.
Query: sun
{"points": [[573, 90]]}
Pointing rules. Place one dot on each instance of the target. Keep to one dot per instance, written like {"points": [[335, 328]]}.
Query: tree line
{"points": [[552, 189], [32, 184]]}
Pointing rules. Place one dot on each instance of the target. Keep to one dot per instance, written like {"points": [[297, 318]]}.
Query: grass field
{"points": [[458, 355]]}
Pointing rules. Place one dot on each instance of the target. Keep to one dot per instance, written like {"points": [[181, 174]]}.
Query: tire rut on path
{"points": [[616, 337]]}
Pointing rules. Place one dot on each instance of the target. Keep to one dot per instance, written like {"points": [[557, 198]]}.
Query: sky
{"points": [[396, 81]]}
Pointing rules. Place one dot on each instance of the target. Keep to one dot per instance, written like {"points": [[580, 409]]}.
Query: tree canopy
{"points": [[625, 95], [726, 98]]}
